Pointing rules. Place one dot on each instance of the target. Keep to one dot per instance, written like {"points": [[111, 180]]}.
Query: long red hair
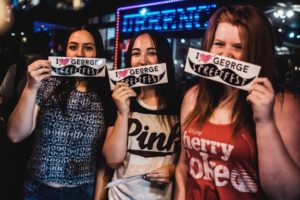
{"points": [[259, 49]]}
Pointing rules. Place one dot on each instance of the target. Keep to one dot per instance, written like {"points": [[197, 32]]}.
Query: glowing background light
{"points": [[143, 11], [2, 12], [77, 4], [290, 13], [5, 16], [292, 35], [35, 2]]}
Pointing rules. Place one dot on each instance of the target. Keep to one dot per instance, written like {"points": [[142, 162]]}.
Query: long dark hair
{"points": [[259, 49], [167, 95], [95, 84]]}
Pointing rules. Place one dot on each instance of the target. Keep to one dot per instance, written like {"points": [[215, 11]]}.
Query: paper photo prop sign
{"points": [[74, 66], [225, 70], [139, 76]]}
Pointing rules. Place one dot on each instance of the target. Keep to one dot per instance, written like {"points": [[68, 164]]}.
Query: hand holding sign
{"points": [[37, 71], [121, 95], [225, 70], [262, 97]]}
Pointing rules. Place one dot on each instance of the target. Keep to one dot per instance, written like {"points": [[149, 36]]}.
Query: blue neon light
{"points": [[132, 16], [153, 13], [202, 7], [44, 26], [168, 11], [171, 18], [167, 19], [14, 3], [148, 4], [153, 20], [191, 8], [186, 16], [167, 16]]}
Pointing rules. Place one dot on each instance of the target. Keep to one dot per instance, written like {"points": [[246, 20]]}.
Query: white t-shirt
{"points": [[150, 146]]}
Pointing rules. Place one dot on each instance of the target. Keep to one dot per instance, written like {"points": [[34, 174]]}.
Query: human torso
{"points": [[150, 146], [66, 146], [220, 166]]}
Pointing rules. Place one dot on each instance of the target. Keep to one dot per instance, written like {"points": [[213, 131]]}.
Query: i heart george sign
{"points": [[77, 66], [232, 72], [139, 76]]}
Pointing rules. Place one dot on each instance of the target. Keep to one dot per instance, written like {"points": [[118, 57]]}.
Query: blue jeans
{"points": [[36, 190]]}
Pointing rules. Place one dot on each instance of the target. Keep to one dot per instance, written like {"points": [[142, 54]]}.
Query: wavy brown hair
{"points": [[167, 95], [95, 84], [259, 49]]}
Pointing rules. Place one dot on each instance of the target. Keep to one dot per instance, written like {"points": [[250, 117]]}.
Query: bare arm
{"points": [[180, 175], [188, 103], [102, 178], [22, 121], [115, 146], [278, 136]]}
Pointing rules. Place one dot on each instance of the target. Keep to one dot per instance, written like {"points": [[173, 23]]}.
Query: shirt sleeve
{"points": [[46, 90]]}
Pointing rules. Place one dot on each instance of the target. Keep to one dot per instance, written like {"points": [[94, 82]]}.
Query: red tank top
{"points": [[221, 166]]}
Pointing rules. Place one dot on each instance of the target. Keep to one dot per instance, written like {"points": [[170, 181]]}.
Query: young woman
{"points": [[69, 116], [145, 137], [233, 141]]}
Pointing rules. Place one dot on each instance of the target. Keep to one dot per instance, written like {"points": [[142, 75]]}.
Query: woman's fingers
{"points": [[125, 93], [261, 96], [37, 71], [39, 64], [120, 85], [158, 177], [122, 91], [121, 94], [265, 82]]}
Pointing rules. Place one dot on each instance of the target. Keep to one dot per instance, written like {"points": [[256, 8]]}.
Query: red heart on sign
{"points": [[205, 58], [64, 61], [123, 73]]}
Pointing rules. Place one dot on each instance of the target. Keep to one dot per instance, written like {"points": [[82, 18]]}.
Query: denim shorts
{"points": [[36, 190]]}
